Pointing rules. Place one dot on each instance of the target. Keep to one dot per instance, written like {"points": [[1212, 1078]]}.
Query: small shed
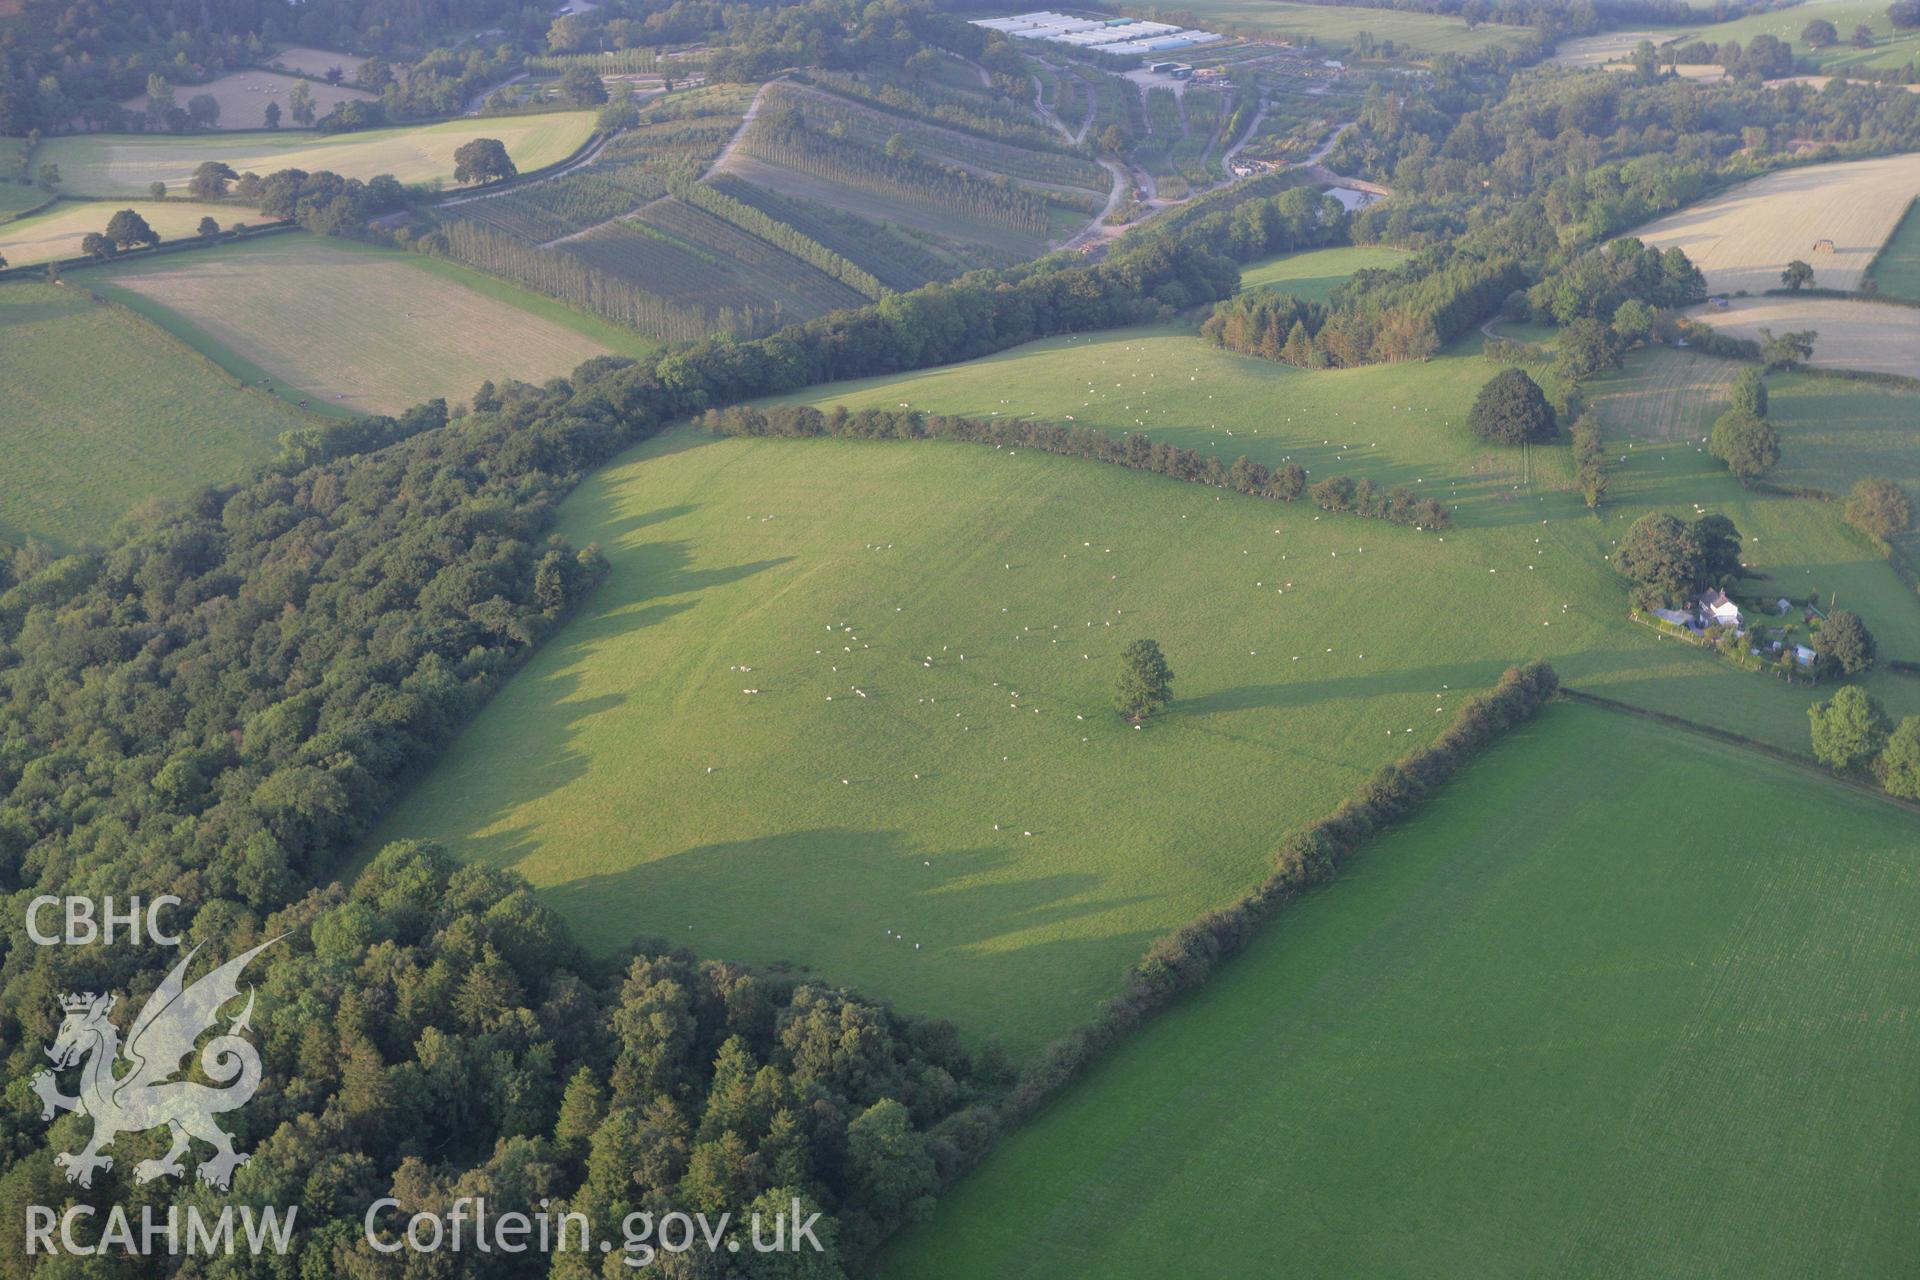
{"points": [[1823, 246], [1804, 656]]}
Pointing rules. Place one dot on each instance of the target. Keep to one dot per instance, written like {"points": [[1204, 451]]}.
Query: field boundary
{"points": [[1728, 736], [184, 244], [1184, 960]]}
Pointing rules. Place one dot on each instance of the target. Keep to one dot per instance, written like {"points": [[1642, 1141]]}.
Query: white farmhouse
{"points": [[1716, 610]]}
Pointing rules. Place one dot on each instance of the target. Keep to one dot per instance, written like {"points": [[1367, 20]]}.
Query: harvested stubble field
{"points": [[103, 164], [1743, 237], [104, 411], [1546, 1027], [348, 327], [55, 234], [1879, 337], [243, 97]]}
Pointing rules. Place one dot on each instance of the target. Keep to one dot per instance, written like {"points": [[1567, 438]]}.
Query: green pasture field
{"points": [[1620, 1001], [357, 329], [1896, 272], [104, 411], [1335, 26], [109, 164], [16, 199], [1406, 424], [1317, 272], [1311, 648], [57, 233]]}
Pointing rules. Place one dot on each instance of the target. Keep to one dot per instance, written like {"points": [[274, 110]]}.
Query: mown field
{"points": [[305, 61], [125, 164], [1743, 237], [56, 234], [103, 411], [1875, 336], [1621, 1001], [1316, 273], [1335, 26], [347, 327], [243, 97]]}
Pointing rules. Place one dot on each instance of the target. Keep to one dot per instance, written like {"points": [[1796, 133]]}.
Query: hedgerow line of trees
{"points": [[1286, 483], [1181, 961]]}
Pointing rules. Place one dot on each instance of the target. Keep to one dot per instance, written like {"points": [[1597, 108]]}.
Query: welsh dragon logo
{"points": [[144, 1095]]}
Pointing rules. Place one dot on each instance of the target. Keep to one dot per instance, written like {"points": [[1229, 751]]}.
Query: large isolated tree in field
{"points": [[210, 179], [127, 229], [1797, 274], [1511, 409], [1879, 508], [1845, 641], [482, 160], [1819, 33], [1145, 683], [1848, 730], [1748, 445]]}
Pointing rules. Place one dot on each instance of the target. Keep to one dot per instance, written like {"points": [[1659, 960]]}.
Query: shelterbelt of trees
{"points": [[217, 703], [1288, 483]]}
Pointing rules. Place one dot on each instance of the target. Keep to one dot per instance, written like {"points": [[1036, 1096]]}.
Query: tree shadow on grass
{"points": [[521, 747], [851, 905]]}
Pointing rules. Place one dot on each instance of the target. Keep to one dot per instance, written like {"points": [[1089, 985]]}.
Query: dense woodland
{"points": [[218, 702]]}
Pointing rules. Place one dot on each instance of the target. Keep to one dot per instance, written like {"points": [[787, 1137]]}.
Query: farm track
{"points": [[592, 153], [747, 117]]}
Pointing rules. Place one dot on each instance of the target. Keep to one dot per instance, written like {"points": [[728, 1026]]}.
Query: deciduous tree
{"points": [[1511, 409], [1843, 640], [1879, 508], [482, 160], [1145, 682], [1848, 730], [1747, 444]]}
